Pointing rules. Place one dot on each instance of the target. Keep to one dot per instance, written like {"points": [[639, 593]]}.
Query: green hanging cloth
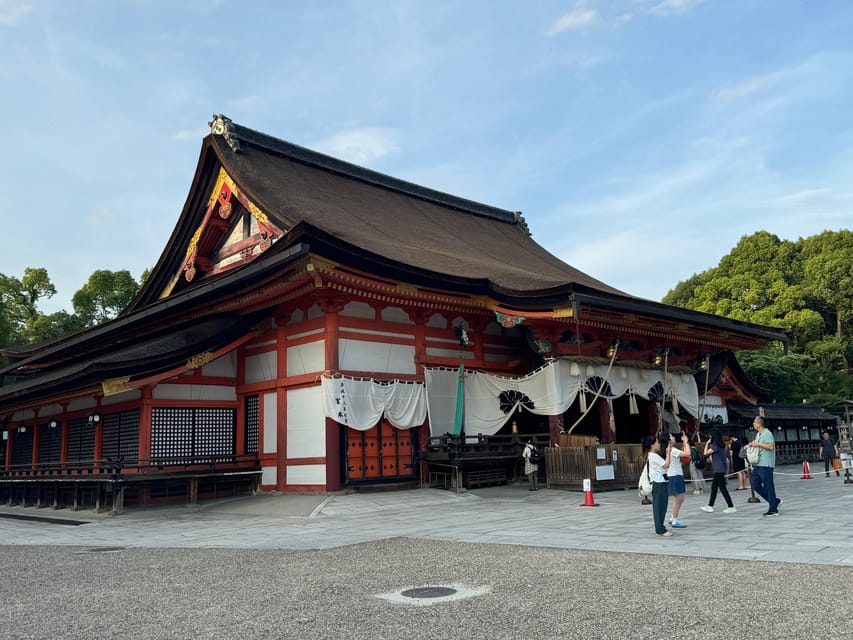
{"points": [[460, 402]]}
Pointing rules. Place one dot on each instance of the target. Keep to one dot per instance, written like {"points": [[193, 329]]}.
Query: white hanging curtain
{"points": [[490, 400], [360, 404]]}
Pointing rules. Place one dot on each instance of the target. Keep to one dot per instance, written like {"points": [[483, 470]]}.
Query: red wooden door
{"points": [[381, 453]]}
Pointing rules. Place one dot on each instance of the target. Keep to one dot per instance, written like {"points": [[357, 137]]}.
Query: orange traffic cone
{"points": [[587, 494], [807, 475]]}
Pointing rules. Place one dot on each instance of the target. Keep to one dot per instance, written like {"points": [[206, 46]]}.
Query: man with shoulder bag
{"points": [[762, 469]]}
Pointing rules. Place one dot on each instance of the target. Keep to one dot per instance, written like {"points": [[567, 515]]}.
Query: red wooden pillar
{"points": [[555, 426], [9, 438], [36, 438], [99, 436], [63, 438], [654, 414], [281, 403], [332, 307], [607, 436], [145, 413], [420, 317]]}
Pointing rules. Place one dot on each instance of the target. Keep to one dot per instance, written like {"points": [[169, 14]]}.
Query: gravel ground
{"points": [[91, 593]]}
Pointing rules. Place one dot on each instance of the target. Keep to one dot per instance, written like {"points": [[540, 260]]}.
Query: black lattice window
{"points": [[22, 447], [81, 441], [192, 435], [214, 433], [120, 437], [252, 422], [50, 444]]}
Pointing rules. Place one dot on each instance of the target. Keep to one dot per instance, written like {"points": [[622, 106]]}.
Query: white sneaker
{"points": [[707, 509], [730, 510]]}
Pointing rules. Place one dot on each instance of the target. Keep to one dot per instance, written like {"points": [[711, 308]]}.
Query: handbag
{"points": [[644, 486], [836, 464], [752, 455], [742, 453]]}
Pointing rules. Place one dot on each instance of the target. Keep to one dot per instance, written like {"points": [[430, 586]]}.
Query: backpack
{"points": [[698, 461], [644, 486], [535, 456]]}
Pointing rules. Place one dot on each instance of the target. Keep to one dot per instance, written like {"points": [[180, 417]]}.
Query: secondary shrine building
{"points": [[312, 325]]}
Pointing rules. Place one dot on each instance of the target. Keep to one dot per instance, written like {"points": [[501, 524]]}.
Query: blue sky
{"points": [[640, 138]]}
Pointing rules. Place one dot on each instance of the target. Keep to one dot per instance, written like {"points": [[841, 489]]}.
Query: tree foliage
{"points": [[804, 287], [103, 296]]}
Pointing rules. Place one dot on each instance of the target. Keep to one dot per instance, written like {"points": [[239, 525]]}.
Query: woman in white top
{"points": [[658, 465], [680, 448]]}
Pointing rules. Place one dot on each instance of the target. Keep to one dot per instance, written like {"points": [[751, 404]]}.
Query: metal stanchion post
{"points": [[752, 499]]}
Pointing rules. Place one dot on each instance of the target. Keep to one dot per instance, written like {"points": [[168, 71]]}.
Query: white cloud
{"points": [[669, 7], [360, 145], [14, 12], [577, 18], [190, 134], [740, 90]]}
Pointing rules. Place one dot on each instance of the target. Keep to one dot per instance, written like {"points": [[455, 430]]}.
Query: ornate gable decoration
{"points": [[233, 232]]}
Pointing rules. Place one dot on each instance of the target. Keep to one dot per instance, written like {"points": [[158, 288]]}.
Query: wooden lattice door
{"points": [[381, 453]]}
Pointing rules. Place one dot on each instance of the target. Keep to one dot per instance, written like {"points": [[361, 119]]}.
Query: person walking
{"points": [[716, 448], [828, 451], [762, 471], [658, 465], [738, 463], [676, 488], [531, 468]]}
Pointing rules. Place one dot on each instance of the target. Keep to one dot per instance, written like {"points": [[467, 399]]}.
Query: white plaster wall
{"points": [[306, 474], [269, 475], [261, 367], [361, 355], [359, 310], [194, 392], [49, 411], [306, 358], [450, 353], [315, 312], [396, 314], [437, 321], [118, 398], [270, 425], [78, 404], [306, 423], [225, 366]]}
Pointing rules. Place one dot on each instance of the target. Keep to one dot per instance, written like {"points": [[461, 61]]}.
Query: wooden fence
{"points": [[608, 466]]}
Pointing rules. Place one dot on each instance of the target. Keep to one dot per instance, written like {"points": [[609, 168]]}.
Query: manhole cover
{"points": [[428, 592], [433, 595]]}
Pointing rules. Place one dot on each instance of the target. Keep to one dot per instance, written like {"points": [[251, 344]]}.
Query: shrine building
{"points": [[312, 325]]}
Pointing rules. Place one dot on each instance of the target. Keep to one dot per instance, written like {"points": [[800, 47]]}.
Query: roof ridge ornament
{"points": [[221, 125], [521, 222]]}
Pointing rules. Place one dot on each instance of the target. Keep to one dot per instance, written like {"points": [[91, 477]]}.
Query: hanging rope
{"points": [[600, 387], [704, 397]]}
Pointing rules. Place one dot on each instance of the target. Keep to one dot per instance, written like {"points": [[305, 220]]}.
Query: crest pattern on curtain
{"points": [[550, 390], [490, 400]]}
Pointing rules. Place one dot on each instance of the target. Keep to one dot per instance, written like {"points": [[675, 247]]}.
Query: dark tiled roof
{"points": [[779, 413], [397, 220]]}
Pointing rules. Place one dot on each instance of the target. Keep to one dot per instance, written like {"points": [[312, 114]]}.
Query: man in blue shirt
{"points": [[762, 471]]}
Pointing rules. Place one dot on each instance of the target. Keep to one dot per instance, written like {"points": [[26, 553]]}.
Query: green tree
{"points": [[55, 325], [103, 296], [20, 299], [805, 287], [828, 269]]}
